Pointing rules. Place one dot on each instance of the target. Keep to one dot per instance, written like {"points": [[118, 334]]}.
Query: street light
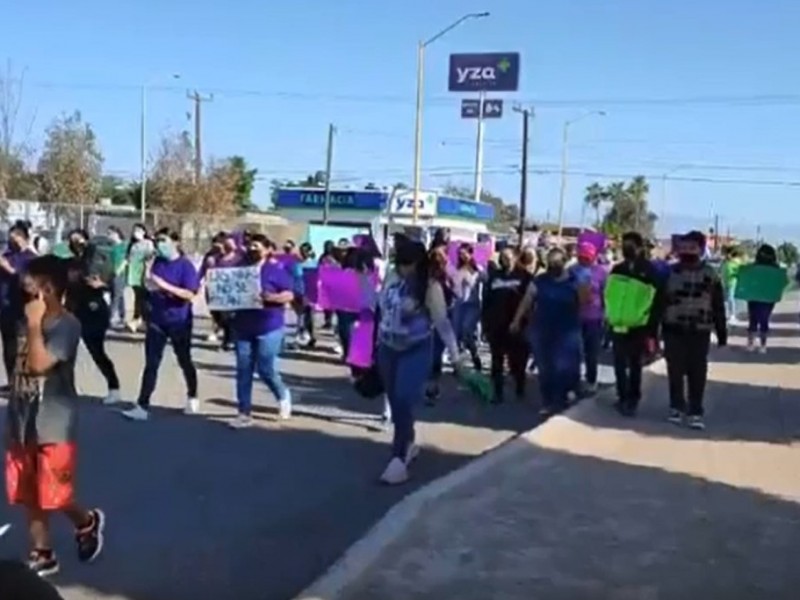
{"points": [[418, 121], [564, 158], [143, 144]]}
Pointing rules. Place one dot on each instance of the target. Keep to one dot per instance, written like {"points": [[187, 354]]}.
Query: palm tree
{"points": [[637, 191], [595, 196]]}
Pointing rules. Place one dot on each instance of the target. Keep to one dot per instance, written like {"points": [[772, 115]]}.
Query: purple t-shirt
{"points": [[167, 310], [595, 277], [250, 324]]}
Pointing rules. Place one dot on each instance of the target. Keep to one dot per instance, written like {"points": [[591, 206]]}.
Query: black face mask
{"points": [[76, 247], [253, 256], [556, 269], [629, 252], [689, 259]]}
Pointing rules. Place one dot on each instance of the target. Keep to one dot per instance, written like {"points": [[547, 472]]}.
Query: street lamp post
{"points": [[418, 118], [143, 146], [564, 160], [664, 178]]}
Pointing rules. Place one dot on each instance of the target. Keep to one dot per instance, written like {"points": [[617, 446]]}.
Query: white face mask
{"points": [[138, 235]]}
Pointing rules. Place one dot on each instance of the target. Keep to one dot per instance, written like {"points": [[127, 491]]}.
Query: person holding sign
{"points": [[693, 306], [172, 284], [259, 334], [410, 308], [762, 286]]}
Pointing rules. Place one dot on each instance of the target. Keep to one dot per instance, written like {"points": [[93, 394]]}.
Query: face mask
{"points": [[138, 235], [629, 252], [689, 259], [556, 268], [165, 249], [254, 256], [76, 247]]}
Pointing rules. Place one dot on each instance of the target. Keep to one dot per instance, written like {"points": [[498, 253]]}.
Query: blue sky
{"points": [[704, 83]]}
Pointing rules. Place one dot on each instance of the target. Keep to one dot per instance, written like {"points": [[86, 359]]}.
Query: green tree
{"points": [[16, 180], [596, 196], [788, 253], [628, 208], [245, 181], [71, 164]]}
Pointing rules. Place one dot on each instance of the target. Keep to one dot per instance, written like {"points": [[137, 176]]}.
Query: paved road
{"points": [[197, 510], [594, 506]]}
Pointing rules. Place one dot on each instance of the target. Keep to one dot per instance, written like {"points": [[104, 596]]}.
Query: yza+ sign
{"points": [[404, 205], [484, 72]]}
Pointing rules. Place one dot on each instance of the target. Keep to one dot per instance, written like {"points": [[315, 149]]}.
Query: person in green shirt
{"points": [[140, 249], [729, 272], [119, 262]]}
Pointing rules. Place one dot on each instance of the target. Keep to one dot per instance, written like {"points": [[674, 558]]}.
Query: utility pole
{"points": [[523, 185], [716, 233], [326, 207], [198, 100]]}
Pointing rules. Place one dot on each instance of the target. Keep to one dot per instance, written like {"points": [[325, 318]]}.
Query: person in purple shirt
{"points": [[172, 283], [592, 277], [12, 263], [259, 334], [225, 252]]}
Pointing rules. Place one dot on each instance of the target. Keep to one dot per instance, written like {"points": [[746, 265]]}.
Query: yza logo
{"points": [[408, 204], [488, 73]]}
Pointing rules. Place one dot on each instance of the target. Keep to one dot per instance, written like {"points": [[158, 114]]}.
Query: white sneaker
{"points": [[192, 406], [395, 473], [212, 338], [412, 453], [762, 349], [137, 413], [751, 347], [133, 326], [285, 407], [112, 398], [242, 422]]}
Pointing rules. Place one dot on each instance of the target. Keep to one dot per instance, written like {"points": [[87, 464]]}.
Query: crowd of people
{"points": [[545, 309]]}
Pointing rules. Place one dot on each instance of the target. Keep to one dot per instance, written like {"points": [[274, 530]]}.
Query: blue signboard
{"points": [[492, 109], [340, 199], [459, 207], [496, 71]]}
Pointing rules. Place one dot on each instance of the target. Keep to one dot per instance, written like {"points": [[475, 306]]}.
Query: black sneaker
{"points": [[432, 394], [43, 562], [90, 539]]}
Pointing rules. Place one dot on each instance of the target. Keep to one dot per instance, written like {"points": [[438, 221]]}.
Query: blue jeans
{"points": [[404, 374], [155, 342], [592, 333], [465, 323], [730, 302], [759, 314], [258, 354], [558, 358], [344, 328], [118, 299]]}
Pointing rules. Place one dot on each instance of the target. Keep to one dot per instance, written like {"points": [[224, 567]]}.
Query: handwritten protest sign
{"points": [[598, 240], [341, 289], [237, 288], [761, 283], [361, 341]]}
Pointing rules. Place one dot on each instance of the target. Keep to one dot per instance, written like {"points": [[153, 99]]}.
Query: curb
{"points": [[364, 553]]}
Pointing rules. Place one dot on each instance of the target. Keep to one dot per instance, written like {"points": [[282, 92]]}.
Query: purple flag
{"points": [[340, 289], [598, 240], [361, 341]]}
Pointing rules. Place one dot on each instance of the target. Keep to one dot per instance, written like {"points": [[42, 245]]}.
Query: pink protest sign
{"points": [[340, 289], [598, 240], [361, 341], [311, 285]]}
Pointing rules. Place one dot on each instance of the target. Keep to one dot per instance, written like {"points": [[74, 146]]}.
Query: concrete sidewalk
{"points": [[594, 506]]}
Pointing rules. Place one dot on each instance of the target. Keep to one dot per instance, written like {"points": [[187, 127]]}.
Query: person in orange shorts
{"points": [[40, 457]]}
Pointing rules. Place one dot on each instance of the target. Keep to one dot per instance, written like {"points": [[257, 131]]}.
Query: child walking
{"points": [[41, 452]]}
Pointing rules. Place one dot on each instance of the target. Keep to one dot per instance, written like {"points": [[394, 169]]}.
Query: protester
{"points": [[172, 283], [503, 293], [555, 301], [12, 264], [693, 306], [593, 276], [409, 307], [759, 313], [259, 335], [119, 249], [439, 271], [467, 304], [41, 420], [304, 308], [632, 289], [328, 258], [224, 254], [90, 276], [729, 272], [140, 250], [354, 260]]}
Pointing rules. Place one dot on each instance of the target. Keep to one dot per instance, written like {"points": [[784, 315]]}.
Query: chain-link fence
{"points": [[53, 222]]}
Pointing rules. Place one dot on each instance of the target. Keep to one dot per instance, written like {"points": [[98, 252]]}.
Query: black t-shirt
{"points": [[503, 292]]}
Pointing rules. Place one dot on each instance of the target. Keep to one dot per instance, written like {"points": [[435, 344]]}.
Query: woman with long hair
{"points": [[759, 313], [412, 306], [328, 257], [467, 303], [225, 253], [140, 250], [439, 271]]}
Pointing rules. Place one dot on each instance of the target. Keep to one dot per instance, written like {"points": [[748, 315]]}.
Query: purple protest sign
{"points": [[598, 240], [340, 289], [361, 341], [481, 252], [311, 285]]}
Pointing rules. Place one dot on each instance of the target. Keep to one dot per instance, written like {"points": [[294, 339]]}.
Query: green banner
{"points": [[761, 283]]}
